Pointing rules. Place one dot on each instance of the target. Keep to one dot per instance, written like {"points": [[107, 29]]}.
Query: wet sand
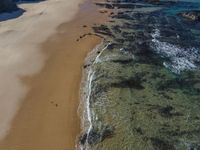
{"points": [[47, 118]]}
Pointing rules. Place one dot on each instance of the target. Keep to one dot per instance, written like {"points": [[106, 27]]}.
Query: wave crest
{"points": [[180, 59]]}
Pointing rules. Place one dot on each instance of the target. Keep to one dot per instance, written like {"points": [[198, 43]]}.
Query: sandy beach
{"points": [[41, 62]]}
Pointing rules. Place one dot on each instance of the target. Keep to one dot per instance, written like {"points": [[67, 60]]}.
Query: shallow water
{"points": [[145, 89]]}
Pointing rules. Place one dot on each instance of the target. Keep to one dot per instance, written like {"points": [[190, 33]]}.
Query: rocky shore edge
{"points": [[89, 136]]}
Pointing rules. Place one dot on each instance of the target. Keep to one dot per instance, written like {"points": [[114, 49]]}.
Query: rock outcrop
{"points": [[7, 6], [193, 15]]}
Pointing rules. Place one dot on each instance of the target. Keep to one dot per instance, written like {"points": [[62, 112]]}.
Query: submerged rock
{"points": [[160, 144], [150, 106], [95, 136], [193, 15]]}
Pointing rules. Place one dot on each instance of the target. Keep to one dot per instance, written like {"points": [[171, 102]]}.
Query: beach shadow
{"points": [[11, 15], [28, 1], [17, 13]]}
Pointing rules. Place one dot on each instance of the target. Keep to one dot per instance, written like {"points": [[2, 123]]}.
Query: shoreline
{"points": [[41, 124], [85, 91], [133, 83]]}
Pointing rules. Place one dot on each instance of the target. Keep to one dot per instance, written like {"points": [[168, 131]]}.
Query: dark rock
{"points": [[105, 5], [123, 61], [166, 111], [139, 130], [95, 136], [193, 15], [103, 30], [112, 46], [134, 82], [116, 29], [108, 132], [85, 66], [160, 144], [83, 139]]}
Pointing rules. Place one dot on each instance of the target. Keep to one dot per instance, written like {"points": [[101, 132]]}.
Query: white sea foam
{"points": [[89, 116], [97, 59], [90, 78], [180, 59]]}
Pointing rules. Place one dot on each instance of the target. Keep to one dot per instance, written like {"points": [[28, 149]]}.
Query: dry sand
{"points": [[19, 52], [41, 81]]}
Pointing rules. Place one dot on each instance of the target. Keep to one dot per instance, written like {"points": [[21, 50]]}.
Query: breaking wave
{"points": [[180, 59]]}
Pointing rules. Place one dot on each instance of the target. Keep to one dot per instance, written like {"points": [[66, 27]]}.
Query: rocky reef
{"points": [[145, 86]]}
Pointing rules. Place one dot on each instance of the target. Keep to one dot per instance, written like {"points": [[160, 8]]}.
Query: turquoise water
{"points": [[145, 83]]}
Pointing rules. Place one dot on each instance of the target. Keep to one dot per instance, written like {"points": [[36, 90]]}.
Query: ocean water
{"points": [[144, 84]]}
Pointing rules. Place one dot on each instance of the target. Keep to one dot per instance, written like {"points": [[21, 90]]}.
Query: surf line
{"points": [[90, 78]]}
